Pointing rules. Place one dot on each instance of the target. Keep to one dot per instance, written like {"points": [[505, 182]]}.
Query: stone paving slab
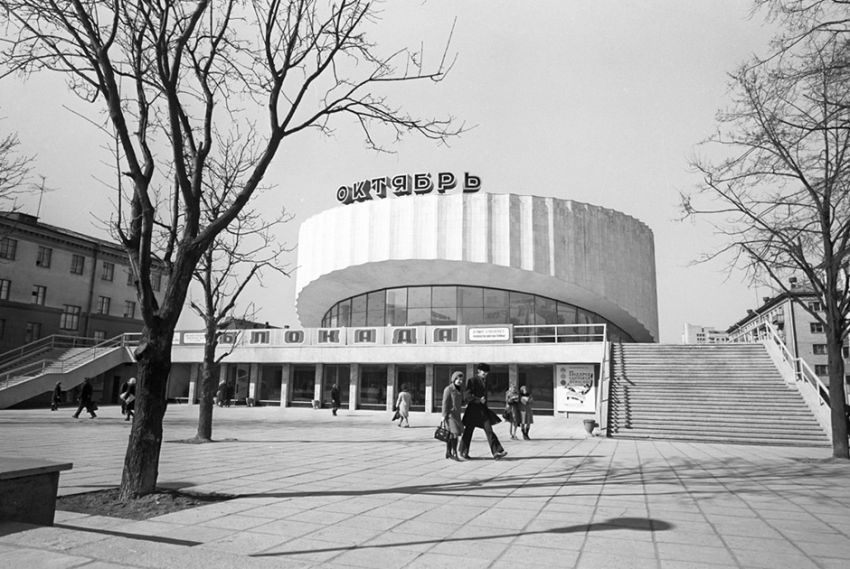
{"points": [[354, 491]]}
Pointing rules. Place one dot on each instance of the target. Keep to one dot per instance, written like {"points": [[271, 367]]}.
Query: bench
{"points": [[28, 489]]}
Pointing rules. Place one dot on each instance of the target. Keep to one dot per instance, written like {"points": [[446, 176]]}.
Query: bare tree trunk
{"points": [[141, 462], [209, 385], [836, 393]]}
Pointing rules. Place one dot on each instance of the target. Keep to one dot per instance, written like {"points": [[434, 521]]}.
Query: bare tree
{"points": [[780, 190], [174, 78], [237, 257], [14, 170]]}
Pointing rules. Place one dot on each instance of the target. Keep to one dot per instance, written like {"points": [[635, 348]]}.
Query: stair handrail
{"points": [[802, 370], [53, 341], [126, 340], [31, 369], [63, 364]]}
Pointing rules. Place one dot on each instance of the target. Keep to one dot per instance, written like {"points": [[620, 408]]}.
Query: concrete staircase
{"points": [[714, 393]]}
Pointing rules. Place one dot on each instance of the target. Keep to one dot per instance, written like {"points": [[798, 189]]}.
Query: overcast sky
{"points": [[599, 101]]}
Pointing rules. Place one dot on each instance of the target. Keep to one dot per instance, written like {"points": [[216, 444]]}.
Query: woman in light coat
{"points": [[525, 411], [403, 404], [452, 404], [512, 409]]}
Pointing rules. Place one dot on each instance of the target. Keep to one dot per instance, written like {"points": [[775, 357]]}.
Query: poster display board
{"points": [[575, 390]]}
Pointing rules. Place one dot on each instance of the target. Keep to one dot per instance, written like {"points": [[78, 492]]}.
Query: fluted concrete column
{"points": [[285, 375], [429, 388], [391, 373], [254, 382], [354, 387], [194, 374], [317, 386]]}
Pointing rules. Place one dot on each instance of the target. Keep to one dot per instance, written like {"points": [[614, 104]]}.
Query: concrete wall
{"points": [[596, 258]]}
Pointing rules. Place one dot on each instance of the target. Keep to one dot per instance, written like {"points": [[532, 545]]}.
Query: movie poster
{"points": [[576, 388]]}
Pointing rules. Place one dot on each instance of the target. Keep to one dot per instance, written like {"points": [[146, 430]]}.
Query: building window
{"points": [[156, 281], [816, 327], [5, 288], [131, 280], [129, 309], [8, 248], [815, 306], [33, 332], [99, 335], [2, 327], [821, 370], [39, 294], [45, 254], [103, 304], [70, 319], [845, 351], [819, 349], [78, 263], [108, 272]]}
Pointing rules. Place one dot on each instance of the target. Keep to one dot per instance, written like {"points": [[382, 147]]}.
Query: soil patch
{"points": [[158, 503]]}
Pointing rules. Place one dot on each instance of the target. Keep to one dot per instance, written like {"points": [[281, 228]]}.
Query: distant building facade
{"points": [[695, 334], [802, 334], [57, 281]]}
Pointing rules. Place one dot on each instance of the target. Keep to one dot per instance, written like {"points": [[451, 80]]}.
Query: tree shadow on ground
{"points": [[671, 477], [635, 524]]}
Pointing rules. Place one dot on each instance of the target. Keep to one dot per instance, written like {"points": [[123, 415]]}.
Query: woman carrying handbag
{"points": [[452, 404]]}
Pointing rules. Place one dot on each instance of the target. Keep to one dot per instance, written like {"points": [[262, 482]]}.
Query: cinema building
{"points": [[402, 284]]}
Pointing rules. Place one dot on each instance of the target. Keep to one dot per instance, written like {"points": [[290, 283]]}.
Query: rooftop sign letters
{"points": [[405, 185]]}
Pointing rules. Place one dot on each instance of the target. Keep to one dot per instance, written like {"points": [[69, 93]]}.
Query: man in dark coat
{"points": [[334, 398], [56, 400], [479, 415], [86, 393]]}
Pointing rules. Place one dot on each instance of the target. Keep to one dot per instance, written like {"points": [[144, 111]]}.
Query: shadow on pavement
{"points": [[636, 524]]}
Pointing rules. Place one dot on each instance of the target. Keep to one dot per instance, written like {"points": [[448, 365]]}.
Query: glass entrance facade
{"points": [[458, 305]]}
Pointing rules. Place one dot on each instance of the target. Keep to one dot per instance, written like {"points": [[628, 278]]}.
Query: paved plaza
{"points": [[357, 491]]}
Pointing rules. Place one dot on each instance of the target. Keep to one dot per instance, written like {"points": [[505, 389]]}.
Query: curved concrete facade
{"points": [[596, 258]]}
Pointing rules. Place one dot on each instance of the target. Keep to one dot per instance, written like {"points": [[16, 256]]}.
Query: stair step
{"points": [[717, 393]]}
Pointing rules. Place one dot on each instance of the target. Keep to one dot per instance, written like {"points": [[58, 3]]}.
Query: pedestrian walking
{"points": [[452, 405], [403, 404], [56, 399], [334, 399], [123, 390], [86, 392], [526, 413], [512, 414], [478, 414], [221, 393], [129, 399]]}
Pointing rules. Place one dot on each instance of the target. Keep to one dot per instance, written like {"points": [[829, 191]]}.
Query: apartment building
{"points": [[803, 335], [57, 281]]}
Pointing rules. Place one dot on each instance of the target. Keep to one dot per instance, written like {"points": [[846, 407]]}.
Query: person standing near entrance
{"points": [[479, 415], [86, 403], [334, 399], [525, 410]]}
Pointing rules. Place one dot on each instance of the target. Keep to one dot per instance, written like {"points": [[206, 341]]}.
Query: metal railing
{"points": [[85, 350], [548, 333], [13, 358], [802, 371]]}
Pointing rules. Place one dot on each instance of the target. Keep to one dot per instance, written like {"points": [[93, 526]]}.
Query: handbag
{"points": [[396, 416], [443, 433]]}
